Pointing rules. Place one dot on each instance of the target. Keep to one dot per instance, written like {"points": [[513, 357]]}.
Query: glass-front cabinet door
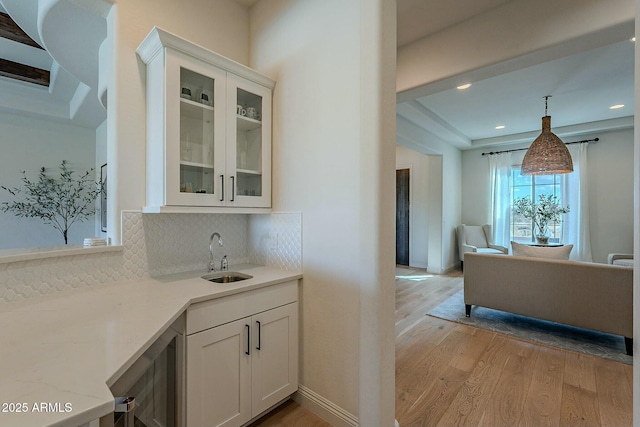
{"points": [[196, 141], [249, 143]]}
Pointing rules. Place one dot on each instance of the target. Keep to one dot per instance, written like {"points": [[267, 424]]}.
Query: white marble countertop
{"points": [[66, 349]]}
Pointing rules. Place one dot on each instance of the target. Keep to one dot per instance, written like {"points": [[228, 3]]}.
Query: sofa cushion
{"points": [[625, 262], [489, 251], [548, 252]]}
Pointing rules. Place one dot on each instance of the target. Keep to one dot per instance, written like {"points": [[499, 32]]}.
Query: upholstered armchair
{"points": [[475, 238], [625, 260]]}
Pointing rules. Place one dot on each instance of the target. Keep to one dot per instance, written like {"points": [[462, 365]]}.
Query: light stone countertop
{"points": [[69, 347]]}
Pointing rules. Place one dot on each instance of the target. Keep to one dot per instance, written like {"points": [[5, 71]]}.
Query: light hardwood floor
{"points": [[449, 374]]}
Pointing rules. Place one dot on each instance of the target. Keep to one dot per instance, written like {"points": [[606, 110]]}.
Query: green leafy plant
{"points": [[548, 209], [58, 201]]}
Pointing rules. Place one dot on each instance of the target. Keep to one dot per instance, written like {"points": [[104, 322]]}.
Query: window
{"points": [[522, 229]]}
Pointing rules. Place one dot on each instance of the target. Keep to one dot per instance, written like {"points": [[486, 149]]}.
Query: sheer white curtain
{"points": [[500, 175], [575, 194]]}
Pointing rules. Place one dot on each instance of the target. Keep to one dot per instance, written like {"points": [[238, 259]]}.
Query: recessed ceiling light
{"points": [[463, 87], [616, 107], [633, 39], [500, 127]]}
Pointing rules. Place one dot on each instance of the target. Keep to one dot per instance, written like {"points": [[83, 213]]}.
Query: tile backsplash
{"points": [[158, 244], [276, 240], [180, 242]]}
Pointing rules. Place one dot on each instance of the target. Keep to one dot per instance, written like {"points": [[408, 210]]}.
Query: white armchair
{"points": [[475, 238], [625, 260]]}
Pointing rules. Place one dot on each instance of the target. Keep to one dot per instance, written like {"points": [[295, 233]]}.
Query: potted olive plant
{"points": [[547, 210], [58, 201]]}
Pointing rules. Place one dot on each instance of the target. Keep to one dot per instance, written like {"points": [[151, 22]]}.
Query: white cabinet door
{"points": [[274, 363], [248, 143], [219, 375], [195, 132]]}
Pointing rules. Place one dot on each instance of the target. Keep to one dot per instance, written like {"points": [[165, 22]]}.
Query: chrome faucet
{"points": [[211, 264]]}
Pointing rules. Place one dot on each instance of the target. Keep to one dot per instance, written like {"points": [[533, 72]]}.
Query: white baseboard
{"points": [[324, 408], [451, 268], [441, 270]]}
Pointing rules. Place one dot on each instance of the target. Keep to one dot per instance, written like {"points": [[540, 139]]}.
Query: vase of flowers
{"points": [[548, 209]]}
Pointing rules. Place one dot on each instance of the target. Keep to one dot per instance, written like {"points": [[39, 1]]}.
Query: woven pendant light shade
{"points": [[547, 155]]}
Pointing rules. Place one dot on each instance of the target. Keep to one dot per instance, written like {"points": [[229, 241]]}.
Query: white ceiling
{"points": [[72, 92], [420, 18], [583, 87]]}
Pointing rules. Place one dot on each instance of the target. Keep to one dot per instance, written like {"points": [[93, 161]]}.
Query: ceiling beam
{"points": [[421, 116], [10, 30], [562, 132], [24, 73]]}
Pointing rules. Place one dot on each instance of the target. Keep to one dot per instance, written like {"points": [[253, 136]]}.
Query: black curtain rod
{"points": [[521, 149]]}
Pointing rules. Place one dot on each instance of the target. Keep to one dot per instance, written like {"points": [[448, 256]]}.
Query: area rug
{"points": [[540, 331]]}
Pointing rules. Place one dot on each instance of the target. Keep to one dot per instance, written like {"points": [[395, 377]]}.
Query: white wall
{"points": [[222, 26], [452, 205], [611, 194], [334, 161], [27, 144], [101, 159], [444, 194], [436, 202], [610, 171], [418, 165], [422, 214]]}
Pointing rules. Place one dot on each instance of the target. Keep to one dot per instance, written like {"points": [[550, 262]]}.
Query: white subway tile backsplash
{"points": [[157, 244]]}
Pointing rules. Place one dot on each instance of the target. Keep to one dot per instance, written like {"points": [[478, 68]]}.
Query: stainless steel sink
{"points": [[226, 277]]}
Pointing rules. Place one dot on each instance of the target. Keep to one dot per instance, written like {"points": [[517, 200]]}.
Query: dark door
{"points": [[402, 216]]}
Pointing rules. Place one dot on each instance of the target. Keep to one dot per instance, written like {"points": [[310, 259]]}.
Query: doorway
{"points": [[402, 216]]}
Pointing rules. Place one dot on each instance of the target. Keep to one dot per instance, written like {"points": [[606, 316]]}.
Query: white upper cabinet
{"points": [[208, 129]]}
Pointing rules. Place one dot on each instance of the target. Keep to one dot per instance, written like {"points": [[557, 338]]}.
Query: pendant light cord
{"points": [[546, 99]]}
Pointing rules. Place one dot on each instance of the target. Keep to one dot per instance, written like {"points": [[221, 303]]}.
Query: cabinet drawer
{"points": [[208, 314]]}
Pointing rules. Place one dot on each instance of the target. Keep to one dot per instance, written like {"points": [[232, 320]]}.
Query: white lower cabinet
{"points": [[239, 367]]}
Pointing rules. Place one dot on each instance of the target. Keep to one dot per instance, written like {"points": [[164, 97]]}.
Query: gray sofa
{"points": [[586, 295]]}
